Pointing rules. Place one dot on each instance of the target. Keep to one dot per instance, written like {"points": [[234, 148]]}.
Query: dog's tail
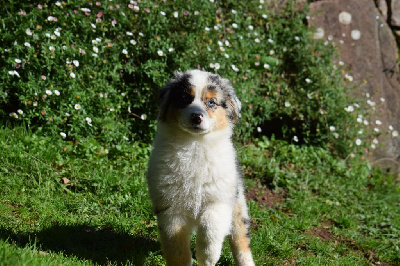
{"points": [[239, 239]]}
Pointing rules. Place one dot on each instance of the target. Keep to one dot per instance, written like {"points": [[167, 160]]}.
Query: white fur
{"points": [[194, 183]]}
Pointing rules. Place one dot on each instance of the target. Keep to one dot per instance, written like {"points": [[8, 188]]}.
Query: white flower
{"points": [[19, 111], [160, 53], [390, 127], [234, 25], [259, 130], [27, 44], [332, 128], [266, 66], [18, 61], [365, 122], [136, 8], [271, 52], [319, 33], [345, 18], [296, 139], [287, 104], [257, 40], [124, 51], [217, 66], [129, 33], [50, 18], [84, 9], [382, 99], [72, 75], [355, 34], [88, 120], [176, 14], [14, 115], [336, 135], [93, 25], [359, 120], [226, 55], [28, 32], [162, 13], [373, 146], [251, 27], [95, 49], [264, 16], [376, 129], [143, 117], [63, 135], [395, 133], [375, 141], [348, 77], [349, 108], [308, 80], [48, 92], [212, 65], [371, 103], [235, 68], [77, 106], [133, 42], [56, 92], [297, 38], [378, 122], [358, 142], [76, 63], [270, 41], [196, 13]]}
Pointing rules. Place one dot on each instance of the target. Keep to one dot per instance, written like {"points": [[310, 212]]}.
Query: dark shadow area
{"points": [[101, 246]]}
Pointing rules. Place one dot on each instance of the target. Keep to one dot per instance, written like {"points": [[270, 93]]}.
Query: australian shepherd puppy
{"points": [[193, 176]]}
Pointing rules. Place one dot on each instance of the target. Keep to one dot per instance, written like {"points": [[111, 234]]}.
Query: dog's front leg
{"points": [[175, 239], [214, 225]]}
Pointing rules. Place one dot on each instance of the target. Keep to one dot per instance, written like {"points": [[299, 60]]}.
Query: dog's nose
{"points": [[196, 118]]}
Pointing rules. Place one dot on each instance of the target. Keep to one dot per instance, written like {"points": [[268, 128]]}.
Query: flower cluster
{"points": [[93, 68]]}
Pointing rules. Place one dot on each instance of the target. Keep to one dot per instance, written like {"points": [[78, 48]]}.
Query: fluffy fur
{"points": [[193, 177]]}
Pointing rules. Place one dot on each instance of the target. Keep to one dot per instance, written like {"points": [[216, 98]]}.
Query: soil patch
{"points": [[265, 197]]}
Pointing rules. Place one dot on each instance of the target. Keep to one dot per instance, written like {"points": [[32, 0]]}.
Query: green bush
{"points": [[89, 72]]}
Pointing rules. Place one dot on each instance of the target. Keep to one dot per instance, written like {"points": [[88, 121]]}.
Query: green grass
{"points": [[334, 212]]}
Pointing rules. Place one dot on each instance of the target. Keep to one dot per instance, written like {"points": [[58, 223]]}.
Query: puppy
{"points": [[193, 176]]}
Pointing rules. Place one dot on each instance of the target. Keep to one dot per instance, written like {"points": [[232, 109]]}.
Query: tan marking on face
{"points": [[208, 95], [221, 117], [192, 92]]}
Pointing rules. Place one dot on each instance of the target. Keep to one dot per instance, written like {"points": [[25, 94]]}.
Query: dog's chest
{"points": [[194, 175]]}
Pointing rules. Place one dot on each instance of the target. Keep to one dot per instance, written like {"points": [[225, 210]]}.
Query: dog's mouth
{"points": [[195, 129]]}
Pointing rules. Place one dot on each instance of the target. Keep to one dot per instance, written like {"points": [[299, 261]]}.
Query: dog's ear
{"points": [[164, 95], [233, 103]]}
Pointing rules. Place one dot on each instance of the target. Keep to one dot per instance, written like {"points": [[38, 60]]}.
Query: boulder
{"points": [[382, 7], [368, 49], [394, 13]]}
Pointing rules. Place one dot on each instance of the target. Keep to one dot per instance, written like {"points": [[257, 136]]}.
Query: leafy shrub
{"points": [[79, 68]]}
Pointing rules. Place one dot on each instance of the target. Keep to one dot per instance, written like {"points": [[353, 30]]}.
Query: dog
{"points": [[193, 176]]}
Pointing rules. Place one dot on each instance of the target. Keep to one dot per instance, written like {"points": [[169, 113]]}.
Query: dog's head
{"points": [[199, 102]]}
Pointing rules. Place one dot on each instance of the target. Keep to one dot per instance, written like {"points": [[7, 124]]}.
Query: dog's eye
{"points": [[211, 103]]}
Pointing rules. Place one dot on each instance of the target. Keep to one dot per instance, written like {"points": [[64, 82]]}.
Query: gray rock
{"points": [[367, 46]]}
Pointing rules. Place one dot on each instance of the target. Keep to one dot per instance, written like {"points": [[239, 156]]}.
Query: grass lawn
{"points": [[307, 207]]}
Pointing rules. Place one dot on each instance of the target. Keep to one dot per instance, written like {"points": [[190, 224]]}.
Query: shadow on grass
{"points": [[102, 246]]}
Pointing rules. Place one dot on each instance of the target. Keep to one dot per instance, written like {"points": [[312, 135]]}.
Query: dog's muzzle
{"points": [[195, 120]]}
